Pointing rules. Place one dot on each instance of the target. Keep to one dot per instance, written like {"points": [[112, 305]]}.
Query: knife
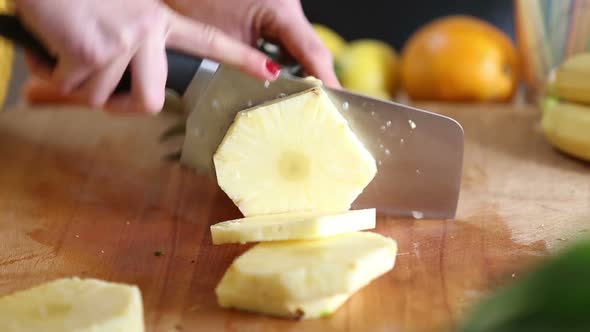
{"points": [[419, 153]]}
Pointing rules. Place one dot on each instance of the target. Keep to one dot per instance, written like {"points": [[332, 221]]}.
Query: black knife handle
{"points": [[181, 67]]}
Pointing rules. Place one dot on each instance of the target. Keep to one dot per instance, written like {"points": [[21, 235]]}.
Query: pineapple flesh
{"points": [[294, 154], [73, 305], [273, 277], [292, 226]]}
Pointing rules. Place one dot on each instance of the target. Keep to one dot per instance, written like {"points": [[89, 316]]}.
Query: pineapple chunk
{"points": [[73, 305], [292, 226], [272, 277], [295, 154]]}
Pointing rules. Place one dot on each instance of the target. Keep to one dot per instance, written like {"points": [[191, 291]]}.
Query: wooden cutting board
{"points": [[87, 194]]}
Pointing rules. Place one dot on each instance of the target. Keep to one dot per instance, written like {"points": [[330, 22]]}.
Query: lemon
{"points": [[370, 67], [333, 41]]}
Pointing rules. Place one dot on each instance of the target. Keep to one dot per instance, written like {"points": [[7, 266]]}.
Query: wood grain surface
{"points": [[88, 194]]}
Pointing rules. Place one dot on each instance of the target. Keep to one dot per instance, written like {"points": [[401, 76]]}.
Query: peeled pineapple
{"points": [[293, 167], [292, 226], [278, 278], [73, 305], [294, 154]]}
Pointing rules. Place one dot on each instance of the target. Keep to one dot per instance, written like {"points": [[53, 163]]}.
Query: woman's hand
{"points": [[95, 41], [280, 20]]}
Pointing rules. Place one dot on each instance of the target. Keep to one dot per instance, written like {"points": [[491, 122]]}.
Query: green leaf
{"points": [[553, 297]]}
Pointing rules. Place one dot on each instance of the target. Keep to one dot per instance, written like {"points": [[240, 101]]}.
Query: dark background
{"points": [[395, 20]]}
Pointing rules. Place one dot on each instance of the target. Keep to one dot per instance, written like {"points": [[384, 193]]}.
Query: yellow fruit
{"points": [[292, 226], [567, 127], [73, 305], [333, 41], [572, 79], [293, 154], [459, 58], [6, 56], [277, 278], [369, 67]]}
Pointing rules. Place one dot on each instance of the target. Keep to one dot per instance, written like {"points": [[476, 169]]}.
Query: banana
{"points": [[567, 127], [572, 79]]}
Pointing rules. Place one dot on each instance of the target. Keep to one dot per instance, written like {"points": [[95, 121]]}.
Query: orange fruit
{"points": [[459, 58]]}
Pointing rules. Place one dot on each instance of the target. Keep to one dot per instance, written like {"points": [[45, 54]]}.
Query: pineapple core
{"points": [[293, 166]]}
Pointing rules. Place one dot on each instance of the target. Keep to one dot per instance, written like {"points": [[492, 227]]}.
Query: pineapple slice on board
{"points": [[273, 277], [6, 56], [292, 226], [73, 305], [293, 154]]}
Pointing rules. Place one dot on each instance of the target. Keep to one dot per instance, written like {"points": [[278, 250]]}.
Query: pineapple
{"points": [[293, 154], [73, 305], [292, 226], [276, 277]]}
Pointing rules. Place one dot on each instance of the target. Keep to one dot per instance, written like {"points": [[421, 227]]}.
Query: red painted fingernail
{"points": [[273, 67]]}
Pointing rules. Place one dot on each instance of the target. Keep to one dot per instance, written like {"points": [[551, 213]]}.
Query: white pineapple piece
{"points": [[274, 277], [73, 305], [292, 226], [294, 154]]}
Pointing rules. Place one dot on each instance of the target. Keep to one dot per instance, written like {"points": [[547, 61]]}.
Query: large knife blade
{"points": [[419, 153]]}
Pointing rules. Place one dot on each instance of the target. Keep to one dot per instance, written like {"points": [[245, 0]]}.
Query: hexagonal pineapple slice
{"points": [[294, 154], [275, 275]]}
